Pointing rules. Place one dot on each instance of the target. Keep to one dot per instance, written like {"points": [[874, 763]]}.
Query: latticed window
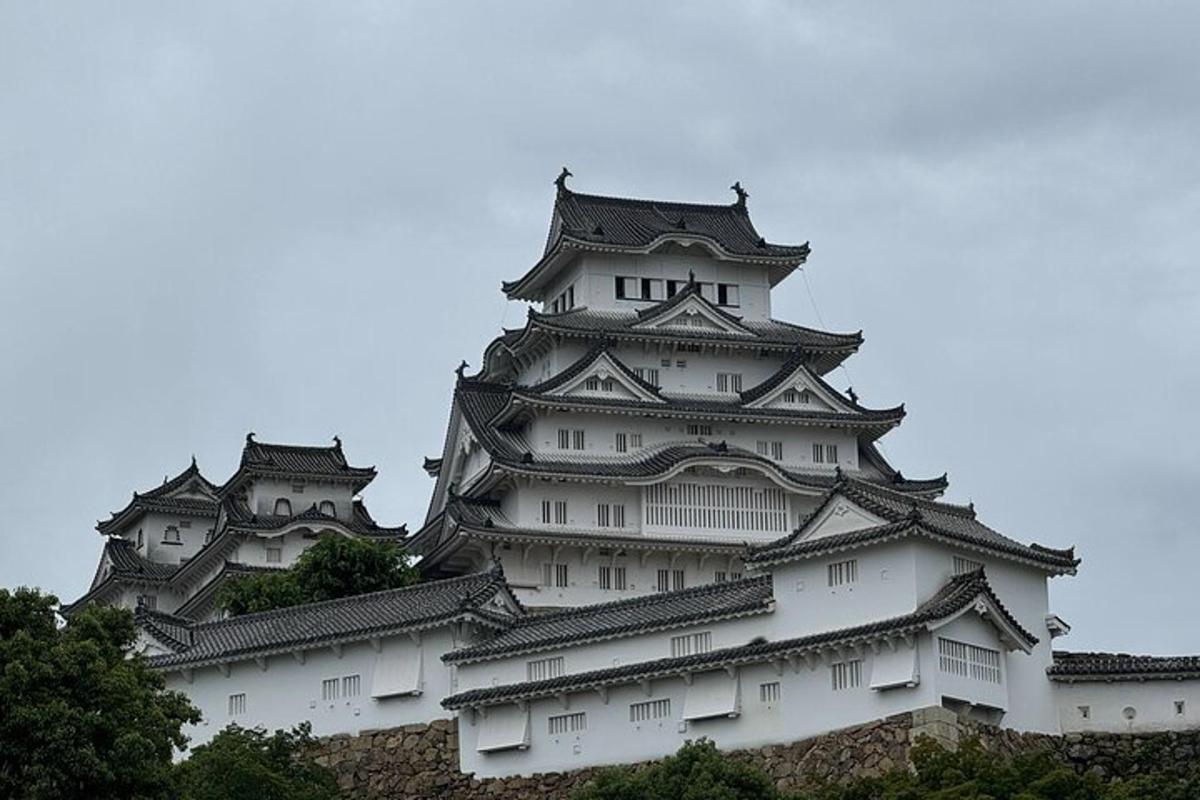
{"points": [[968, 660], [677, 579], [622, 443], [604, 577], [237, 704], [330, 688], [729, 382], [545, 668], [690, 644], [651, 709], [351, 685], [843, 572], [567, 723], [846, 674], [610, 515], [699, 430], [577, 439], [825, 453], [717, 507], [555, 575], [772, 450], [274, 555], [768, 692], [564, 439], [964, 565], [619, 578]]}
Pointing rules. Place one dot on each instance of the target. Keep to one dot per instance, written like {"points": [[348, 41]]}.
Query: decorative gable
{"points": [[800, 391], [840, 516], [605, 379], [693, 313]]}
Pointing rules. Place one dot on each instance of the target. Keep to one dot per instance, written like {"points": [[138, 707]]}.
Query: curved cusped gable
{"points": [[690, 311], [602, 375]]}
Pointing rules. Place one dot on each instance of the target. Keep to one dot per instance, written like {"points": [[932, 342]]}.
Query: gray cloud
{"points": [[294, 219]]}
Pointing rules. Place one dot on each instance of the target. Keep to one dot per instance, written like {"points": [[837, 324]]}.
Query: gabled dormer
{"points": [[602, 376], [795, 387], [688, 310]]}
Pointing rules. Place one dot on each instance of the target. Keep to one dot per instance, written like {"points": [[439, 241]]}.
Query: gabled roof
{"points": [[598, 357], [1072, 667], [956, 597], [594, 223], [624, 618], [905, 515], [296, 462], [165, 499], [126, 562], [690, 296], [239, 517], [336, 621]]}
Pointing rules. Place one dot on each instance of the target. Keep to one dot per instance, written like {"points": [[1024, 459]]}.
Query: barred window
{"points": [[554, 575], [635, 440], [663, 582], [965, 565], [577, 439], [846, 674], [677, 579], [622, 442], [351, 685], [610, 515], [619, 578], [329, 689], [699, 430], [729, 382], [768, 692], [825, 453], [274, 555], [720, 576], [564, 439], [843, 572], [567, 723], [968, 660], [237, 704], [772, 450], [690, 644], [604, 577], [651, 709], [544, 668]]}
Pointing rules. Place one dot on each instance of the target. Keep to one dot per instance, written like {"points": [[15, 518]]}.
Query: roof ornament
{"points": [[852, 394], [250, 438], [914, 512], [337, 441], [838, 475], [462, 367], [741, 193], [561, 180], [193, 459], [691, 277], [527, 457]]}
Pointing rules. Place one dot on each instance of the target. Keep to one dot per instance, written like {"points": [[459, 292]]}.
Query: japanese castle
{"points": [[653, 519]]}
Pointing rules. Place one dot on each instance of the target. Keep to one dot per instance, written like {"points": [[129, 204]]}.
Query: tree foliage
{"points": [[77, 718], [697, 771], [248, 764], [333, 567]]}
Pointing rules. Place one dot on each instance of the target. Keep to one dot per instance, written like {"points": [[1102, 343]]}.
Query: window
{"points": [[1179, 708], [690, 644], [707, 292], [677, 579], [791, 396], [964, 565], [653, 289], [846, 674], [208, 534], [283, 507], [1085, 712], [329, 689], [564, 439], [663, 584], [772, 450], [735, 576], [619, 578], [141, 539], [298, 487], [651, 709], [729, 382], [544, 668], [681, 363], [843, 572], [351, 685], [699, 430], [627, 288], [716, 507], [568, 723], [720, 576], [648, 374], [577, 439], [665, 362], [237, 704], [635, 441], [592, 384], [274, 555], [825, 453], [554, 512], [968, 660], [727, 294], [610, 515], [564, 302], [185, 523], [554, 575], [327, 508], [171, 535], [604, 577], [768, 692], [622, 443]]}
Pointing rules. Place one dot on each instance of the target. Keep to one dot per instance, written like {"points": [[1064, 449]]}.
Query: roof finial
{"points": [[741, 193], [337, 441], [852, 395], [193, 460], [460, 369], [691, 277], [250, 438], [561, 180]]}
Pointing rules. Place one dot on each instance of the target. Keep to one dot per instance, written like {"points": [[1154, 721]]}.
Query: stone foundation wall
{"points": [[421, 761]]}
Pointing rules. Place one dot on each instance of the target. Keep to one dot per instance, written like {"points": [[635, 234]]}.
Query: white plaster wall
{"points": [[264, 492], [1152, 704], [969, 628], [153, 526], [288, 692], [808, 706]]}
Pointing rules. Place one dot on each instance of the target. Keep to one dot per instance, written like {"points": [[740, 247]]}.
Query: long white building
{"points": [[654, 519]]}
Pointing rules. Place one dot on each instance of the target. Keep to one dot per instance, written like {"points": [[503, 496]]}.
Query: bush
{"points": [[247, 764]]}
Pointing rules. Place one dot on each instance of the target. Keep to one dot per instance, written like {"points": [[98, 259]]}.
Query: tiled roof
{"points": [[904, 515], [616, 224], [1121, 667], [624, 618], [160, 499], [238, 517], [582, 364], [958, 594], [295, 461], [335, 621], [171, 629], [128, 563]]}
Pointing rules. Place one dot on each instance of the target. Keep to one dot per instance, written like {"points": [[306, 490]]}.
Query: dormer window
{"points": [[283, 507]]}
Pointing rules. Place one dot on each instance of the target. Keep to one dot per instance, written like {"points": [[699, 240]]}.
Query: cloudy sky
{"points": [[294, 219]]}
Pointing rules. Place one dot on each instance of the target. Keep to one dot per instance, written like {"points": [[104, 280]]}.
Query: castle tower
{"points": [[651, 418]]}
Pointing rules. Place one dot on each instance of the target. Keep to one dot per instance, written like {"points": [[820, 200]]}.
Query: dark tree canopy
{"points": [[243, 764], [77, 718], [333, 567], [698, 771]]}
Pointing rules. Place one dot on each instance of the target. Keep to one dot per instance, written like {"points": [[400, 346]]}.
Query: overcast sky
{"points": [[294, 219]]}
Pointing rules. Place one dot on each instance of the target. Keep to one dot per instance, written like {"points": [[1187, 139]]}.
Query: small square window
{"points": [[1085, 712], [1179, 708], [274, 555]]}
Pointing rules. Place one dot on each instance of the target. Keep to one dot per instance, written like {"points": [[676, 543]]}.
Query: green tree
{"points": [[77, 718], [333, 567], [697, 771], [245, 764]]}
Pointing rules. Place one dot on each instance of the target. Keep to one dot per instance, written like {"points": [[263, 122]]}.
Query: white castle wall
{"points": [[1128, 706]]}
